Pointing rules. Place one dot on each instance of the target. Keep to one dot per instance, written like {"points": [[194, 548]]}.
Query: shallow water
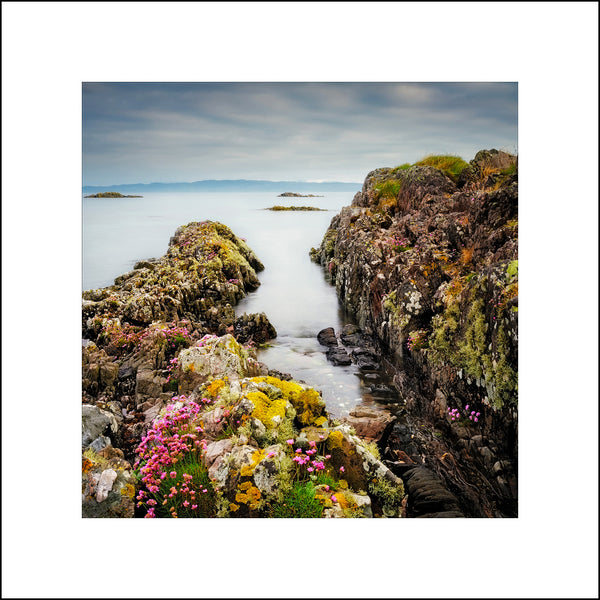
{"points": [[293, 293]]}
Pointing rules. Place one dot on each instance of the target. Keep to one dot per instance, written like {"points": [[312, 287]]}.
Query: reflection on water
{"points": [[293, 293]]}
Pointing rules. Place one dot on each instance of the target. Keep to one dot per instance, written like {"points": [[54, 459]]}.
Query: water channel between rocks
{"points": [[294, 292]]}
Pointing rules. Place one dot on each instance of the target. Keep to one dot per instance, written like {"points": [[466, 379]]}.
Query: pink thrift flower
{"points": [[333, 499], [310, 469], [290, 442], [173, 474], [475, 419], [298, 450], [467, 407], [194, 506], [327, 456], [342, 469]]}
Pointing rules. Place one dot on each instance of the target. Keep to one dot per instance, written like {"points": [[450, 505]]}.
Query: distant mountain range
{"points": [[227, 185]]}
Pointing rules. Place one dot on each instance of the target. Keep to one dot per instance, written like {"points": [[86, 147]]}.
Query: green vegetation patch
{"points": [[278, 207], [299, 503], [450, 164]]}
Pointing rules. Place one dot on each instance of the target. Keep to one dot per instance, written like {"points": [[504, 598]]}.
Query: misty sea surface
{"points": [[294, 292]]}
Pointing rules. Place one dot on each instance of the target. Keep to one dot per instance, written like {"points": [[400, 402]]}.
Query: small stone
{"points": [[105, 484]]}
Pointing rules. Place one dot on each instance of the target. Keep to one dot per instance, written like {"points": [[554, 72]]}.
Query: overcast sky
{"points": [[170, 132]]}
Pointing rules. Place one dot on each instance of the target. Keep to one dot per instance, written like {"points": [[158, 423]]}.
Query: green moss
{"points": [[473, 348], [390, 496], [505, 378], [513, 269], [386, 193], [451, 165], [444, 327]]}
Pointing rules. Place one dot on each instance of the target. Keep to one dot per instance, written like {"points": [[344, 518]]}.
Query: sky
{"points": [[172, 132]]}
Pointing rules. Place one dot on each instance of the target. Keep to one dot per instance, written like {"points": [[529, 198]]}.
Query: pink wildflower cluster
{"points": [[417, 340], [176, 336], [206, 339], [125, 338], [173, 364], [399, 244], [174, 442], [455, 414], [313, 464]]}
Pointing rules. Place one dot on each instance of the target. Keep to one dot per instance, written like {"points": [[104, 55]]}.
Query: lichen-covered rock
{"points": [[95, 423], [257, 448], [426, 258], [370, 423], [108, 485], [255, 327], [211, 358]]}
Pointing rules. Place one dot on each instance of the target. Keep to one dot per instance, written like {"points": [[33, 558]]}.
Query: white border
{"points": [[48, 49]]}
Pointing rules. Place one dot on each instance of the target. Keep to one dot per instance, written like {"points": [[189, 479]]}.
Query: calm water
{"points": [[293, 293]]}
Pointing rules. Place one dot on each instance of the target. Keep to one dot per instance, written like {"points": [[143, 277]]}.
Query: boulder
{"points": [[370, 423], [255, 327], [96, 423], [327, 337], [212, 358]]}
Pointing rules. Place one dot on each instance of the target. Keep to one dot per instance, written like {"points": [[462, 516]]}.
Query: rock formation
{"points": [[426, 260], [179, 419]]}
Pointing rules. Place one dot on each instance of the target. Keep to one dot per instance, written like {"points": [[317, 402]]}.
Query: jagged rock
{"points": [[438, 288], [428, 496], [370, 424], [255, 327], [108, 489], [96, 423], [327, 337], [213, 357], [338, 356]]}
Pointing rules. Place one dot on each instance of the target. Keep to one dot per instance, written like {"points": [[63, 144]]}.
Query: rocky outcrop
{"points": [[134, 330], [296, 195], [426, 260], [247, 445], [171, 385]]}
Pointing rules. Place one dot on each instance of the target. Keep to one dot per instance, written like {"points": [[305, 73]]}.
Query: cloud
{"points": [[135, 132]]}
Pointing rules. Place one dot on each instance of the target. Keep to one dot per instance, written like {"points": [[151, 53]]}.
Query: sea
{"points": [[294, 292]]}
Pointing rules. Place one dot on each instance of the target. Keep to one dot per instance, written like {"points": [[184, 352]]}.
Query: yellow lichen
{"points": [[335, 439], [212, 389], [128, 490], [248, 494], [248, 470], [265, 409]]}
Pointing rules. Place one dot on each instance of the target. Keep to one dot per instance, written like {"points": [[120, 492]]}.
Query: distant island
{"points": [[228, 185], [295, 208], [294, 195], [111, 195]]}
